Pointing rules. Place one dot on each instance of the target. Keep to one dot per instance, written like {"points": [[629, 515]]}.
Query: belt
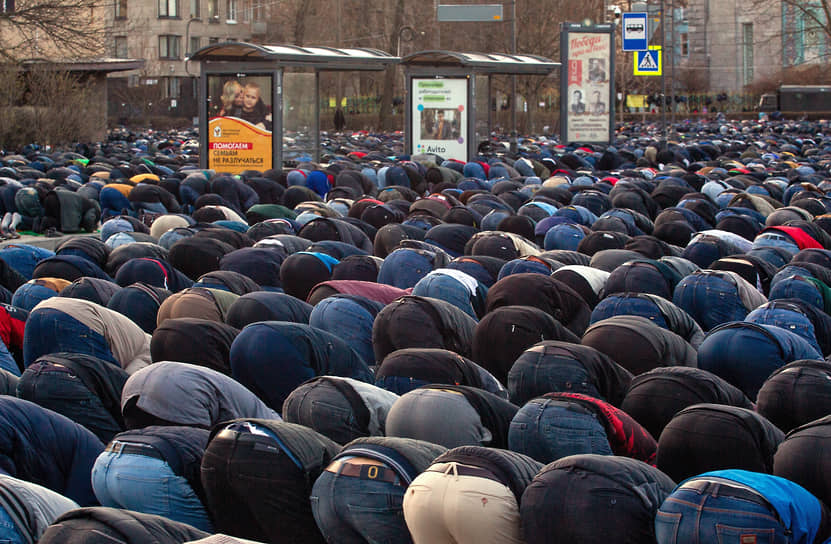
{"points": [[467, 470], [138, 449], [722, 489], [369, 472]]}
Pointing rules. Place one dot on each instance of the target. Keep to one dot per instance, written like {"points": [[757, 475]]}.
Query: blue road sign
{"points": [[648, 63], [635, 35]]}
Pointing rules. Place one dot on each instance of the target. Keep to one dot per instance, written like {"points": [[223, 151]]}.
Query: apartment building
{"points": [[165, 33]]}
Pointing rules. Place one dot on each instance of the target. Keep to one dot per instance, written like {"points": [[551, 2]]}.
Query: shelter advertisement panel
{"points": [[587, 110], [239, 130], [439, 117]]}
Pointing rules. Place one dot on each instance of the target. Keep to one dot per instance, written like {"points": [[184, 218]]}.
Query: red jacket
{"points": [[802, 238], [626, 436]]}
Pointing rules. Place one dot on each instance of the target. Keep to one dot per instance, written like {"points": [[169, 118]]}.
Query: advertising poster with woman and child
{"points": [[587, 87], [239, 131]]}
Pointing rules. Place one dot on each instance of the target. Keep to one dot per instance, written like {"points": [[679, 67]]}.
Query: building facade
{"points": [[165, 33], [730, 44]]}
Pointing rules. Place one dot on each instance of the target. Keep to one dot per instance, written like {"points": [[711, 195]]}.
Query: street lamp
{"points": [[187, 44], [407, 34]]}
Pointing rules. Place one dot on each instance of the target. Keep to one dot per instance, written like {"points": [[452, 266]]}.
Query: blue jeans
{"points": [[49, 331], [352, 510], [146, 484], [709, 301], [549, 429], [770, 239], [113, 202], [320, 406], [531, 378], [9, 533], [24, 258], [693, 517], [58, 388], [399, 384]]}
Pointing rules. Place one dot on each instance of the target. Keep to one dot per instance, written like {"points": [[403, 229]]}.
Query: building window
{"points": [[121, 47], [258, 10], [120, 9], [194, 9], [232, 14], [194, 45], [171, 87], [245, 12], [685, 44], [168, 8], [169, 47], [747, 53], [6, 6], [212, 41], [213, 11]]}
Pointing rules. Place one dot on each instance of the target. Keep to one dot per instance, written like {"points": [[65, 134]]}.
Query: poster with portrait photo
{"points": [[241, 122], [440, 124], [587, 111], [439, 116], [597, 70], [241, 96]]}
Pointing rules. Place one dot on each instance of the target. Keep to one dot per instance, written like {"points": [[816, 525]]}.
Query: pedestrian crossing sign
{"points": [[648, 63]]}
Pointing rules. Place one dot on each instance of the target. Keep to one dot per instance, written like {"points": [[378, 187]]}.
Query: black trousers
{"points": [[256, 491]]}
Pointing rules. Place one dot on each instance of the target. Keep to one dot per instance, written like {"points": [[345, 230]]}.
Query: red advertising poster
{"points": [[588, 90]]}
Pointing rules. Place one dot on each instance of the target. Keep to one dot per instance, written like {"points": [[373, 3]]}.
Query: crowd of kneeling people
{"points": [[565, 344]]}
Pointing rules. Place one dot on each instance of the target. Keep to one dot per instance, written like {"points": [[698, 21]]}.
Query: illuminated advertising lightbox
{"points": [[239, 130], [588, 103], [439, 117]]}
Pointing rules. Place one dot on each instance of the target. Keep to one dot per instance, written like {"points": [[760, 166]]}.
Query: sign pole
{"points": [[663, 77], [513, 80], [672, 66]]}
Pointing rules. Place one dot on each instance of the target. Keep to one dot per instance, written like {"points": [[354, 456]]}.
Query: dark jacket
{"points": [[313, 450], [267, 306], [47, 448], [505, 333], [197, 341], [71, 211], [654, 397], [552, 296], [620, 496], [112, 525], [102, 378], [608, 379], [304, 352], [706, 437], [436, 366], [156, 272], [412, 321], [637, 344]]}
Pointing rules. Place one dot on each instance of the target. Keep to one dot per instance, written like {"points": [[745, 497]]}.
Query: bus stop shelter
{"points": [[448, 109], [249, 101]]}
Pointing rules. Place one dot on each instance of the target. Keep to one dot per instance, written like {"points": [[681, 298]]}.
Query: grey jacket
{"points": [[192, 395]]}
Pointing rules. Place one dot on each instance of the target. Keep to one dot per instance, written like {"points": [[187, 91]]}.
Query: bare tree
{"points": [[389, 76], [804, 29], [45, 105], [56, 29], [815, 16]]}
